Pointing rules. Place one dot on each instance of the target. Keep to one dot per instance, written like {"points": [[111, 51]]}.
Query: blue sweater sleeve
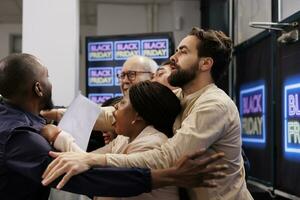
{"points": [[26, 153]]}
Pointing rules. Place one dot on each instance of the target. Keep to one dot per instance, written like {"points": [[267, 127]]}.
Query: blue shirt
{"points": [[24, 157]]}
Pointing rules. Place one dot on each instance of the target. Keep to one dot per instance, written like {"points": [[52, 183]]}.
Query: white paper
{"points": [[79, 120]]}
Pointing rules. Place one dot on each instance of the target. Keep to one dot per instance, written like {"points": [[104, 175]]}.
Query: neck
{"points": [[197, 84], [25, 104], [137, 130]]}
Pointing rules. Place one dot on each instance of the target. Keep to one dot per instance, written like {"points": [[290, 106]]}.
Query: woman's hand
{"points": [[50, 132], [69, 164], [54, 114]]}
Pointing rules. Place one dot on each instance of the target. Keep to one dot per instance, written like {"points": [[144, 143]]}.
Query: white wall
{"points": [[5, 31], [84, 31], [51, 32], [250, 11], [121, 19], [165, 18], [179, 16], [289, 7], [186, 14]]}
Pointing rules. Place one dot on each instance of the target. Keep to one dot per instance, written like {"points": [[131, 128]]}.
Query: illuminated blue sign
{"points": [[126, 49], [292, 116], [100, 98], [252, 113], [156, 49], [100, 51], [100, 76]]}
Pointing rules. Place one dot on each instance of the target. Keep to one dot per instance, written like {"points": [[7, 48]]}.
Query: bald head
{"points": [[17, 71], [143, 66], [141, 63], [23, 77]]}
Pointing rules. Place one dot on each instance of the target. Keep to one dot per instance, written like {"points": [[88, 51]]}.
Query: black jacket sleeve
{"points": [[26, 153]]}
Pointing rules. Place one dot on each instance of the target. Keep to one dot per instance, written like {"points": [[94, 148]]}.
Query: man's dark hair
{"points": [[112, 101], [156, 104], [16, 73], [218, 46]]}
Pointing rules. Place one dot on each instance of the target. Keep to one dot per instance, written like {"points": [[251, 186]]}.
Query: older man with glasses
{"points": [[136, 69]]}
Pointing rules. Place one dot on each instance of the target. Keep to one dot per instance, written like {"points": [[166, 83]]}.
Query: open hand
{"points": [[68, 163]]}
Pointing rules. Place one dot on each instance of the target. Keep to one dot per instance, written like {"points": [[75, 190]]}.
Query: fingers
{"points": [[208, 179], [213, 176], [52, 164], [197, 154], [49, 114], [54, 154], [210, 159], [200, 180], [215, 168], [54, 175], [59, 169], [64, 180], [208, 184]]}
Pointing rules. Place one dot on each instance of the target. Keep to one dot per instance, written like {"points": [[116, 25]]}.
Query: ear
{"points": [[152, 76], [137, 118], [206, 63], [38, 89]]}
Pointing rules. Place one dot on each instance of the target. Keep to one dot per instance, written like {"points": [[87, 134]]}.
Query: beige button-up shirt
{"points": [[210, 120], [148, 139]]}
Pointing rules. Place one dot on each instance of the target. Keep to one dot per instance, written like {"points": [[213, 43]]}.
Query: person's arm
{"points": [[197, 131], [65, 142], [27, 154], [105, 119], [61, 140], [55, 114], [190, 171], [103, 122]]}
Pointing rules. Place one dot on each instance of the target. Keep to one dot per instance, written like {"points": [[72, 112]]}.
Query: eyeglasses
{"points": [[131, 75]]}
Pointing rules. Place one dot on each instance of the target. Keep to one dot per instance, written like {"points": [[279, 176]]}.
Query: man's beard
{"points": [[48, 103], [180, 77]]}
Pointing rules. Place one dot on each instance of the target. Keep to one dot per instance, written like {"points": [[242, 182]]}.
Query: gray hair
{"points": [[148, 63]]}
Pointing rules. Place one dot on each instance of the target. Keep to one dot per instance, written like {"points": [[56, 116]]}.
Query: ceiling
{"points": [[11, 10]]}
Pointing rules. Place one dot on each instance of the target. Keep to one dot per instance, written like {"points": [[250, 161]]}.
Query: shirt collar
{"points": [[33, 120], [148, 130]]}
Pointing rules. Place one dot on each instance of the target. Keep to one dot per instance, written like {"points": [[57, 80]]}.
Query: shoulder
{"points": [[120, 139], [26, 141], [148, 142], [156, 138], [153, 138], [216, 99]]}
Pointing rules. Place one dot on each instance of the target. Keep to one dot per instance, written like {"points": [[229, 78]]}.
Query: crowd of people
{"points": [[172, 128]]}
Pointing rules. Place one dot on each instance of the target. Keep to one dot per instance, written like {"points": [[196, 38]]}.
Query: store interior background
{"points": [[64, 24]]}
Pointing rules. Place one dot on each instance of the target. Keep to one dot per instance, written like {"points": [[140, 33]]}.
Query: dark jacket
{"points": [[24, 157]]}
